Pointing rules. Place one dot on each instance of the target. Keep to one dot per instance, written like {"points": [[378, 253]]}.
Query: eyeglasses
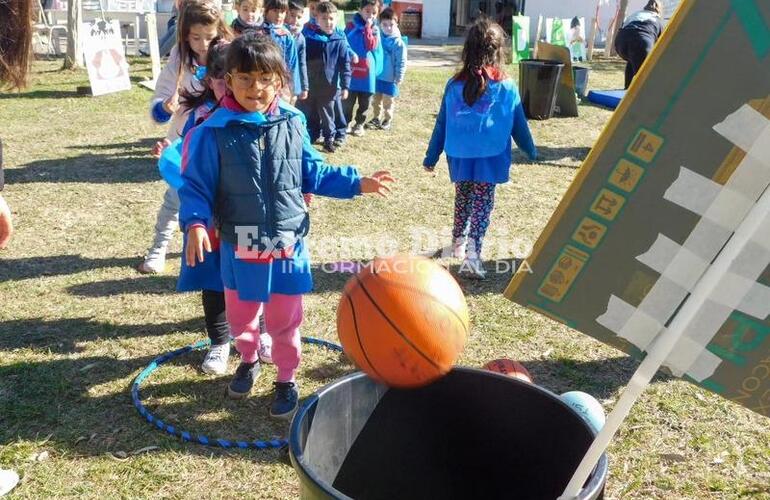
{"points": [[245, 82]]}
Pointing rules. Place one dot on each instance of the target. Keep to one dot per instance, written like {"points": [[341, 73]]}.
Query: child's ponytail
{"points": [[483, 50]]}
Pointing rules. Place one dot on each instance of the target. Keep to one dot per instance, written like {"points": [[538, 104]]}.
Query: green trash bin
{"points": [[471, 434], [538, 83]]}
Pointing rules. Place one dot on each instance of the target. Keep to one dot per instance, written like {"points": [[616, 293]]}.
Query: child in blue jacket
{"points": [[364, 39], [293, 18], [245, 169], [275, 17], [393, 71], [480, 112], [329, 68]]}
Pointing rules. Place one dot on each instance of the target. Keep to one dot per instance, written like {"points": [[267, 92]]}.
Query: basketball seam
{"points": [[435, 299], [398, 331], [358, 336]]}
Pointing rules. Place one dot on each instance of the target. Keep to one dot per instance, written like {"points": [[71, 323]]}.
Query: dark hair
{"points": [[483, 47], [257, 52], [193, 12], [296, 5], [276, 5], [325, 8], [575, 22], [654, 6], [367, 3], [215, 68], [388, 14], [15, 42]]}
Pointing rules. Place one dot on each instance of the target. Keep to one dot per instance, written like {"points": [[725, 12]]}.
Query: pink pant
{"points": [[283, 315]]}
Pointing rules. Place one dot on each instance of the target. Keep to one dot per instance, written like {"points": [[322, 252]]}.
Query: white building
{"points": [[442, 18]]}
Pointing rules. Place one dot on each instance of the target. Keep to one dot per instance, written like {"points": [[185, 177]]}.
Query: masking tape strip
{"points": [[722, 209], [743, 128], [721, 204]]}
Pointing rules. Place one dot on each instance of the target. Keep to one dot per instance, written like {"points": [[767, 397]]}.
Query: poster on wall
{"points": [[104, 57], [520, 38]]}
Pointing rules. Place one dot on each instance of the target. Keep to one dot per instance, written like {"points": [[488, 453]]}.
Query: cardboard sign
{"points": [[566, 99], [104, 56], [520, 38], [681, 162]]}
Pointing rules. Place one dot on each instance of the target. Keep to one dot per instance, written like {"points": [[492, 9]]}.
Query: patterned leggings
{"points": [[473, 207]]}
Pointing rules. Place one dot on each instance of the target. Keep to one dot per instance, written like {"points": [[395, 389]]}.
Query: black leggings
{"points": [[364, 101], [216, 320], [633, 46]]}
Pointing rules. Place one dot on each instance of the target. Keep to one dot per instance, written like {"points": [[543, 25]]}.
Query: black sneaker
{"points": [[329, 146], [286, 400], [385, 125], [374, 124], [243, 380]]}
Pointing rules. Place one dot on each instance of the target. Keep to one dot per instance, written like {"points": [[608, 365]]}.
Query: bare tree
{"points": [[74, 20], [622, 12]]}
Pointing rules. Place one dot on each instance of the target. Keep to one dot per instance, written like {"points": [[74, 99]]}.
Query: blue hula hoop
{"points": [[187, 436]]}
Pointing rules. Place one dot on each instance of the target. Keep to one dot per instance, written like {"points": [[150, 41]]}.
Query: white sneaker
{"points": [[358, 130], [8, 481], [473, 268], [459, 245], [152, 265], [265, 351], [215, 362]]}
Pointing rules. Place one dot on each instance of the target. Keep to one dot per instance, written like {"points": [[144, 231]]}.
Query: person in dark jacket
{"points": [[293, 21], [328, 64], [637, 37]]}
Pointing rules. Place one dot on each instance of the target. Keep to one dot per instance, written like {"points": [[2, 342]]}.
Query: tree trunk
{"points": [[622, 12], [74, 21]]}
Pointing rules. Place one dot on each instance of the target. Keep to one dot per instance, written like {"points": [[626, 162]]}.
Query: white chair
{"points": [[45, 31]]}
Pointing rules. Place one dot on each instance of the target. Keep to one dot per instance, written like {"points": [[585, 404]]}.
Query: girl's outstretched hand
{"points": [[377, 183], [159, 146], [197, 244]]}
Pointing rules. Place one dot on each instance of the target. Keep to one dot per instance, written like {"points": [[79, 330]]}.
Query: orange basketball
{"points": [[509, 367], [403, 320]]}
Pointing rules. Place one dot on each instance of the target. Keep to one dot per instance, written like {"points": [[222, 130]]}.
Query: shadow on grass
{"points": [[61, 265], [555, 156], [84, 409], [43, 94], [142, 144], [64, 335], [153, 285], [108, 168]]}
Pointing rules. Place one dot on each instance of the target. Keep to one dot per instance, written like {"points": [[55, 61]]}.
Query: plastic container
{"points": [[580, 74], [472, 434], [538, 83]]}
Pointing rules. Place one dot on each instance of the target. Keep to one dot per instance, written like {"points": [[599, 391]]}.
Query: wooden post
{"points": [[591, 39], [622, 11], [537, 36], [74, 20]]}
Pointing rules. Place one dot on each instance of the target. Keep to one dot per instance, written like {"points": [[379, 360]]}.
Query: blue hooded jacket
{"points": [[369, 51], [285, 40], [477, 139], [328, 59], [250, 170]]}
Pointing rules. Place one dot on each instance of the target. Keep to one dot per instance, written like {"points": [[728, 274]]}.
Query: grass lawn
{"points": [[77, 323]]}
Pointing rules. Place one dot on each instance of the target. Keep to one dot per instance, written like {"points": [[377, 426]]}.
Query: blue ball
{"points": [[587, 407]]}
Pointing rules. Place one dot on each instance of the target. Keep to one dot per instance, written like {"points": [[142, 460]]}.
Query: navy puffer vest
{"points": [[260, 182]]}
